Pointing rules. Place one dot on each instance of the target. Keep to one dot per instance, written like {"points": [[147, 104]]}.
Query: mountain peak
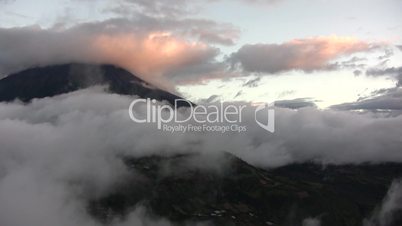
{"points": [[47, 81]]}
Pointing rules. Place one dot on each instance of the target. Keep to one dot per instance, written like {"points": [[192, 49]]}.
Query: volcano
{"points": [[54, 80]]}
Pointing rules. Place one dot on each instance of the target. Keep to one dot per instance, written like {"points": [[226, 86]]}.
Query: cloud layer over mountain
{"points": [[57, 150]]}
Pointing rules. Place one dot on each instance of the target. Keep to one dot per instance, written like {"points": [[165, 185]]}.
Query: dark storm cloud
{"points": [[299, 54], [295, 103]]}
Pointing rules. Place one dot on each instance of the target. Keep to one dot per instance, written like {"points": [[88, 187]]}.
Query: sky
{"points": [[242, 50]]}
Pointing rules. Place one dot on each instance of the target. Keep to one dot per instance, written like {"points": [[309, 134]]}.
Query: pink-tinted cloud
{"points": [[300, 54], [150, 55], [154, 55]]}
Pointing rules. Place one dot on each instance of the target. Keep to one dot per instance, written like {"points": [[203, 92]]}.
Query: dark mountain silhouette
{"points": [[58, 79], [246, 195]]}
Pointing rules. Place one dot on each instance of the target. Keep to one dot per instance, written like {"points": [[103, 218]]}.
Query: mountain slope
{"points": [[58, 79], [242, 194]]}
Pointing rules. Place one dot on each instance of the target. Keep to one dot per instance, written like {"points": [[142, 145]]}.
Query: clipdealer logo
{"points": [[269, 125], [200, 118]]}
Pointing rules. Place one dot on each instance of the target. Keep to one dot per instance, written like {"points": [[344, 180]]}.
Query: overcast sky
{"points": [[253, 50]]}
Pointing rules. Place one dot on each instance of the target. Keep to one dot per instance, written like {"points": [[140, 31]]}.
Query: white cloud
{"points": [[57, 152], [390, 208]]}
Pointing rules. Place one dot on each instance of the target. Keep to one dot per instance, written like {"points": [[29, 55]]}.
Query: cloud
{"points": [[301, 135], [386, 71], [352, 63], [388, 213], [149, 54], [206, 30], [300, 54], [311, 222], [252, 82], [173, 15], [210, 34], [153, 7], [6, 1], [357, 72], [386, 100], [391, 100], [170, 8], [157, 54], [391, 71], [261, 2], [387, 54], [295, 103], [51, 166], [141, 217], [52, 161]]}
